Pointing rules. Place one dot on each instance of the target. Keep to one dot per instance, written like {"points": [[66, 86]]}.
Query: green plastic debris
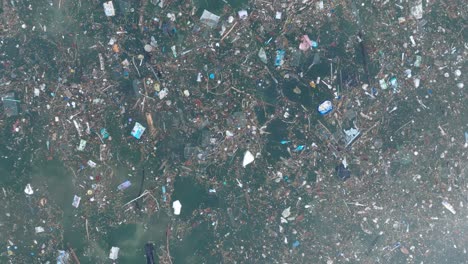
{"points": [[104, 133], [394, 84]]}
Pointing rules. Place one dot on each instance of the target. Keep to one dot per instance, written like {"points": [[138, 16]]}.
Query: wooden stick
{"points": [[142, 13], [87, 230], [134, 64], [407, 123], [372, 127], [332, 137], [239, 91], [364, 58], [146, 192], [168, 233], [247, 199], [156, 200], [143, 194], [72, 252], [229, 31]]}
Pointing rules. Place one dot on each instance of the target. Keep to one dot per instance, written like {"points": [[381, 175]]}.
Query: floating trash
{"points": [[28, 189], [325, 107], [124, 185], [138, 130], [299, 148], [209, 19], [279, 57], [82, 145], [449, 207], [177, 206], [109, 8], [262, 55], [114, 253], [76, 201], [248, 158], [342, 172], [296, 90]]}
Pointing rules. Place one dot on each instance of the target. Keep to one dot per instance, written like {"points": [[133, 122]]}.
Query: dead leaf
{"points": [[404, 250]]}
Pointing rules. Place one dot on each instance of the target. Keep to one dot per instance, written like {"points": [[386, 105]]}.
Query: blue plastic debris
{"points": [[212, 76], [124, 185], [63, 257], [284, 142], [279, 57], [325, 107], [397, 245], [299, 148], [164, 193], [138, 130], [296, 244], [342, 172], [466, 139], [314, 44], [149, 252]]}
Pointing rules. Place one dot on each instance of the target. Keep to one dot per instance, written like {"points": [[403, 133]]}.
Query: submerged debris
{"points": [[329, 131]]}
